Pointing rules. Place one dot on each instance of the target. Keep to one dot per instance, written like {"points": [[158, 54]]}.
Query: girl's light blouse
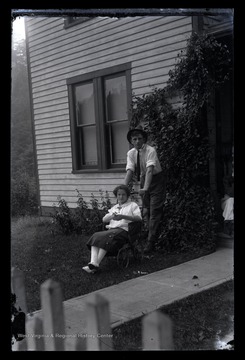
{"points": [[129, 208]]}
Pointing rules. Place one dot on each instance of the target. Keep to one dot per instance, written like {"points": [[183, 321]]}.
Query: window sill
{"points": [[96, 171]]}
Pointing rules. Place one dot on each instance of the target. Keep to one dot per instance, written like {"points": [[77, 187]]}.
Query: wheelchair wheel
{"points": [[123, 257]]}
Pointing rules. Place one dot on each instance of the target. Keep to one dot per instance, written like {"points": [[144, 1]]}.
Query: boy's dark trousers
{"points": [[153, 203]]}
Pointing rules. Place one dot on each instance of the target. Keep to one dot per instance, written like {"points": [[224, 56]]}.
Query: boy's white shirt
{"points": [[148, 157]]}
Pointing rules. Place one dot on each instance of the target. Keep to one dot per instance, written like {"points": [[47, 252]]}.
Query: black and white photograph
{"points": [[122, 179]]}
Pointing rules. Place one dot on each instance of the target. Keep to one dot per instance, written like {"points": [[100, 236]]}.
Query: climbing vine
{"points": [[180, 136], [205, 67]]}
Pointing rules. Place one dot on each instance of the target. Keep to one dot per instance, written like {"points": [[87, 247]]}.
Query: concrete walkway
{"points": [[133, 298]]}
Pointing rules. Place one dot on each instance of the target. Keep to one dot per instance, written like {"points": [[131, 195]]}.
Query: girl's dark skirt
{"points": [[110, 240]]}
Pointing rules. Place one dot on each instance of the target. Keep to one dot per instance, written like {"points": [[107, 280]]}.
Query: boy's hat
{"points": [[139, 129]]}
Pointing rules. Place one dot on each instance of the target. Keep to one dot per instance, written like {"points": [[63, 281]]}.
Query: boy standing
{"points": [[142, 159]]}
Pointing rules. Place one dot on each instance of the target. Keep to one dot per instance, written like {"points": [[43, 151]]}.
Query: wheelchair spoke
{"points": [[123, 257]]}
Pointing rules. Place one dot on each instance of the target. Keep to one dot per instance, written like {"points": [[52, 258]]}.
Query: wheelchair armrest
{"points": [[103, 226], [134, 229]]}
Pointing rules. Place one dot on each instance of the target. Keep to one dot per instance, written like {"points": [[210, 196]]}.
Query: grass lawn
{"points": [[42, 254], [202, 321]]}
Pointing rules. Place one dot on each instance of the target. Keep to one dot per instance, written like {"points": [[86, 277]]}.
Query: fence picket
{"points": [[50, 329], [81, 344], [53, 316], [157, 332], [18, 288], [99, 335], [34, 334], [21, 345]]}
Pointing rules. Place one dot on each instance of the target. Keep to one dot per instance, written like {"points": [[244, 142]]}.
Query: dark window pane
{"points": [[119, 143], [116, 117], [116, 98], [85, 104], [89, 146]]}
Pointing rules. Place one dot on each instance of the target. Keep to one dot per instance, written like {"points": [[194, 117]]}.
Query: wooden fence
{"points": [[46, 332]]}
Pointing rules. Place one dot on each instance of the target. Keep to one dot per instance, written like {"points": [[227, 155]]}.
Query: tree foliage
{"points": [[23, 182]]}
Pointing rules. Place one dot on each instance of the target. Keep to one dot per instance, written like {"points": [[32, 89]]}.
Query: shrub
{"points": [[63, 217], [188, 221], [84, 219]]}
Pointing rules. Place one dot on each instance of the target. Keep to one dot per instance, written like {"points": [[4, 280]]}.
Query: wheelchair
{"points": [[132, 249]]}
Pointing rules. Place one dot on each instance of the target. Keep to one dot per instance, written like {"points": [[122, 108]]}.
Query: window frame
{"points": [[100, 117], [69, 21]]}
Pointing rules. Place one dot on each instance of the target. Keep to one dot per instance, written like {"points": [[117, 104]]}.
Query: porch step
{"points": [[225, 240]]}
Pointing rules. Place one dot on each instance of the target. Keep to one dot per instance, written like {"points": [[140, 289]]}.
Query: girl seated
{"points": [[111, 240]]}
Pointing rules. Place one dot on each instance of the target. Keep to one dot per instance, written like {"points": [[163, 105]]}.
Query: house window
{"points": [[85, 123], [99, 109], [74, 20]]}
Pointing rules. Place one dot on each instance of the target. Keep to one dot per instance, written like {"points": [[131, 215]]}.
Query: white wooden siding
{"points": [[150, 43], [218, 23]]}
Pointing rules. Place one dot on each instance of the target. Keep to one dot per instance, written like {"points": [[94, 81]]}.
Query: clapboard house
{"points": [[83, 73]]}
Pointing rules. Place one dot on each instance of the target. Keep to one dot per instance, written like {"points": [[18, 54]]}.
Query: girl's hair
{"points": [[122, 187]]}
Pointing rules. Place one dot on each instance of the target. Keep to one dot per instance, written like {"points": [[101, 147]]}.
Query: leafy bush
{"points": [[84, 219], [64, 217], [188, 220], [180, 137]]}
